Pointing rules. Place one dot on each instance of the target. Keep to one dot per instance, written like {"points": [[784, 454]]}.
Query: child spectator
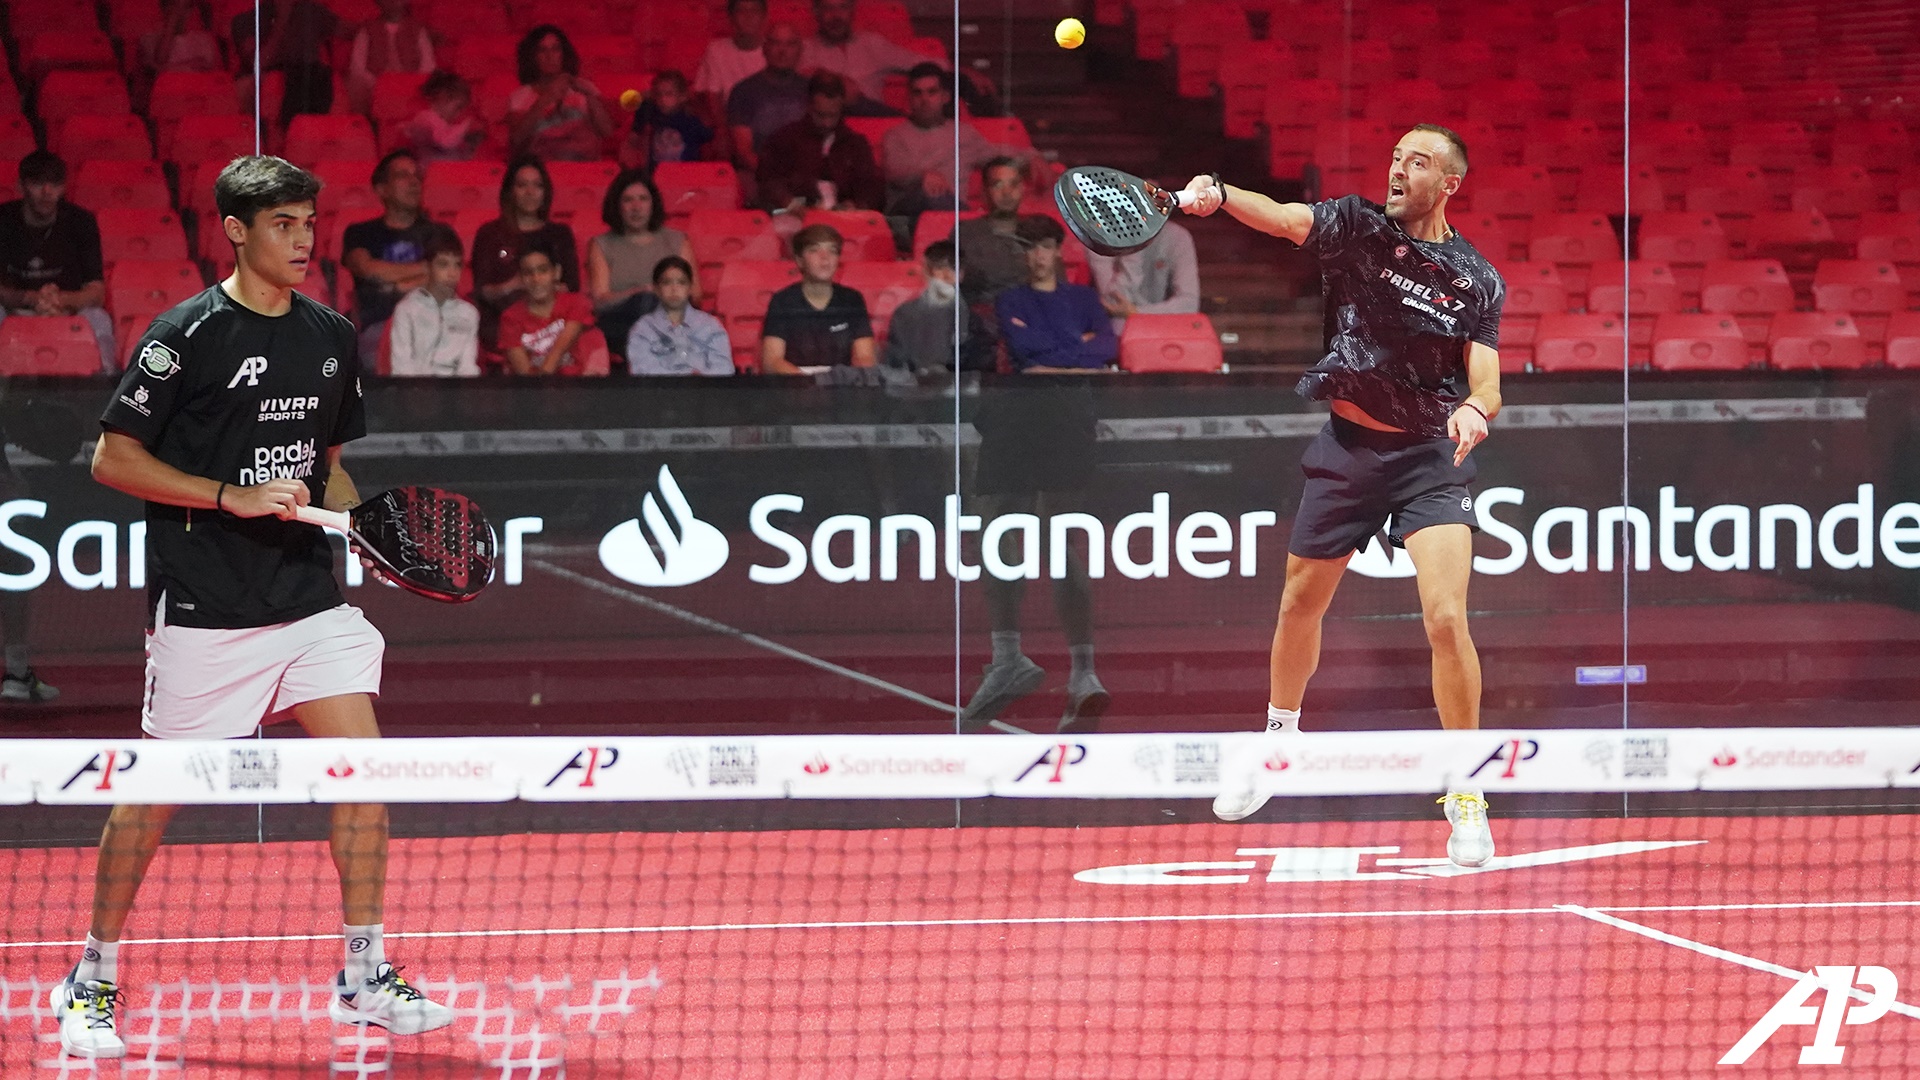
{"points": [[1049, 324], [555, 114], [816, 322], [663, 129], [547, 331], [447, 129], [433, 332], [921, 336], [677, 338], [526, 203], [621, 261]]}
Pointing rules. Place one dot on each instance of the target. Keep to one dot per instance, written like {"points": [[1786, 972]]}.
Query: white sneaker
{"points": [[1472, 841], [387, 1001], [1243, 786], [85, 1010]]}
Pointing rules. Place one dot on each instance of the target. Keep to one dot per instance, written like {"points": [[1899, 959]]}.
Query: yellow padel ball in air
{"points": [[1070, 33], [630, 99]]}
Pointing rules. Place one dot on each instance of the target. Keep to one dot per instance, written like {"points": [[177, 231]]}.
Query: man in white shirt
{"points": [[730, 59], [1162, 278], [433, 332], [863, 57]]}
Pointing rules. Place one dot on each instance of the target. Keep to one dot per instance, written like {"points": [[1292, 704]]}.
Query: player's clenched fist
{"points": [[1207, 196], [278, 498]]}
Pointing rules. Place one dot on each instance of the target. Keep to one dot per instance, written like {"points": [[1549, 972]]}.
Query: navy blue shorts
{"points": [[1359, 479]]}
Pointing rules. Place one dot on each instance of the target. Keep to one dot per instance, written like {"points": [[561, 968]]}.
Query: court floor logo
{"points": [[1843, 1004], [663, 552]]}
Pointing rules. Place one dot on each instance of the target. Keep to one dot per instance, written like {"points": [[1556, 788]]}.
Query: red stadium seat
{"points": [[1559, 63], [579, 187], [744, 292], [1245, 74], [482, 55], [1893, 238], [1802, 340], [1685, 241], [1598, 190], [1508, 101], [1557, 143], [1299, 102], [874, 129], [1533, 289], [41, 53], [1659, 63], [453, 186], [80, 138], [1402, 101], [1641, 287], [396, 98], [686, 186], [607, 53], [1798, 238], [48, 345], [346, 197], [313, 138], [1771, 144], [1489, 233], [1670, 145], [1751, 290], [1511, 190], [937, 225], [221, 137], [137, 290], [1710, 103], [1903, 340], [1727, 189], [1870, 291], [865, 235], [1580, 343], [126, 184], [1003, 130], [885, 285], [41, 18], [129, 20], [1698, 343], [1573, 241], [16, 138], [1871, 143], [1455, 65], [180, 94], [140, 234], [1844, 190], [1170, 343], [719, 237], [82, 93]]}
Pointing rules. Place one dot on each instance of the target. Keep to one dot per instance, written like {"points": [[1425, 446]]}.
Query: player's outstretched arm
{"points": [[1290, 221], [122, 463]]}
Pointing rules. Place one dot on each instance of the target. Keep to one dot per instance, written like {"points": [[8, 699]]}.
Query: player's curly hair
{"points": [[254, 183]]}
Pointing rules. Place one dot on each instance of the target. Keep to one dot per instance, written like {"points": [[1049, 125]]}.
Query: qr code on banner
{"points": [[1644, 757]]}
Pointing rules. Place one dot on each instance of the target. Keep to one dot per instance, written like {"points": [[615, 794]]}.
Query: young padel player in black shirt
{"points": [[230, 417], [1412, 375]]}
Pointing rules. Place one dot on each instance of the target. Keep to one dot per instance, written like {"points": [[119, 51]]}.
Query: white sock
{"points": [[99, 962], [365, 952], [1279, 719], [1006, 646], [1082, 660]]}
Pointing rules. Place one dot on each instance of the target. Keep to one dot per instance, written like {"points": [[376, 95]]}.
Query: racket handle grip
{"points": [[1183, 198], [326, 519]]}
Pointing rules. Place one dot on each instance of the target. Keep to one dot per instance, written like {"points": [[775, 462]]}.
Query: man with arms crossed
{"points": [[231, 417], [1412, 375]]}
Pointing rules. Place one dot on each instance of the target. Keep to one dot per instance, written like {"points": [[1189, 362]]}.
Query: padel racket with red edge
{"points": [[1113, 212], [427, 541]]}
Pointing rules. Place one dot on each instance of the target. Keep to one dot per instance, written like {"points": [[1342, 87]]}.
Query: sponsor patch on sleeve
{"points": [[159, 361]]}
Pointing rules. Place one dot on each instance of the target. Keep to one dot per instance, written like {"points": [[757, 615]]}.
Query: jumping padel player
{"points": [[1412, 376], [231, 415]]}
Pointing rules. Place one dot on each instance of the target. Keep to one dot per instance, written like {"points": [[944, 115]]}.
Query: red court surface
{"points": [[976, 952]]}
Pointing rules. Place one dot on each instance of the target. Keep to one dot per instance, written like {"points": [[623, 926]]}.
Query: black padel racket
{"points": [[1113, 212], [427, 541]]}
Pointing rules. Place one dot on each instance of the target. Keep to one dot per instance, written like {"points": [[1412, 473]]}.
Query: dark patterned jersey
{"points": [[1400, 313], [216, 389]]}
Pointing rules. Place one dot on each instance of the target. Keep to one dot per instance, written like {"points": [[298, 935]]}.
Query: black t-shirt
{"points": [[218, 390], [66, 253], [1400, 313], [818, 338], [373, 299]]}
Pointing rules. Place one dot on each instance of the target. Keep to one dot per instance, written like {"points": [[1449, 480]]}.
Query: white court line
{"points": [[1729, 956], [1037, 920]]}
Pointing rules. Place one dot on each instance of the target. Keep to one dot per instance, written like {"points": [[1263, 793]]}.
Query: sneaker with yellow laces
{"points": [[85, 1011], [1471, 843]]}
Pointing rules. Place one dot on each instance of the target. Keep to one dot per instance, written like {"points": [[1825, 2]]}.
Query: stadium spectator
{"points": [[769, 99], [433, 332], [554, 113], [817, 160], [526, 201], [549, 332], [447, 129], [185, 44], [921, 337], [677, 338], [394, 43], [919, 153], [1162, 278], [863, 57], [1050, 325], [622, 261], [294, 42], [731, 59], [50, 254], [991, 257], [388, 255], [664, 129], [816, 322]]}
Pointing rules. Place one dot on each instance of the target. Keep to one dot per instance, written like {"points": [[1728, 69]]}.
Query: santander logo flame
{"points": [[662, 552]]}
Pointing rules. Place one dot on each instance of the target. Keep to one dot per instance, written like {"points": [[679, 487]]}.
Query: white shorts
{"points": [[222, 684]]}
